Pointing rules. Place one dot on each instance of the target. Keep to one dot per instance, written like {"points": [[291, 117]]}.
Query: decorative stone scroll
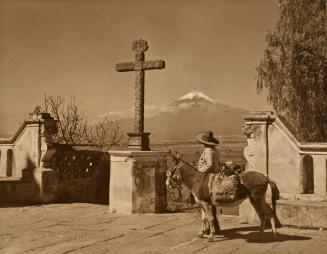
{"points": [[249, 149]]}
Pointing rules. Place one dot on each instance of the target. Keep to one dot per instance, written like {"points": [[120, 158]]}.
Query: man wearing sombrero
{"points": [[209, 161]]}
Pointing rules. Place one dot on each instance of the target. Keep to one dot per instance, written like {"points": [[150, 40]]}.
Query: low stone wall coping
{"points": [[12, 140], [260, 116], [10, 179], [322, 203], [131, 154], [302, 197]]}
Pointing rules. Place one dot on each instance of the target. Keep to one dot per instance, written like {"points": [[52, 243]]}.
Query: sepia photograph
{"points": [[154, 127]]}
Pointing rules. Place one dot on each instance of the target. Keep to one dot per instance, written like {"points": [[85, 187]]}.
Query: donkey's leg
{"points": [[208, 210], [215, 219], [256, 203], [203, 218], [207, 226], [270, 214]]}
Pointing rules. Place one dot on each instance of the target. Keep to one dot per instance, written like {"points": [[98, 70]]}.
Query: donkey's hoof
{"points": [[207, 232], [210, 239], [218, 232], [201, 234]]}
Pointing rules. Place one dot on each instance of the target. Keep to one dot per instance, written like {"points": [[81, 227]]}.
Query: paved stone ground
{"points": [[88, 228]]}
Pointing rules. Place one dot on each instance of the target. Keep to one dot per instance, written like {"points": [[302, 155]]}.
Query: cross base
{"points": [[139, 141]]}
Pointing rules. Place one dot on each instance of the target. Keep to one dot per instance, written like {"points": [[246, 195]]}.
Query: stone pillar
{"points": [[137, 182], [43, 175], [256, 154], [45, 180], [320, 175]]}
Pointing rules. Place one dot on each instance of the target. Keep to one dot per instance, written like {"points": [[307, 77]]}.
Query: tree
{"points": [[73, 127], [294, 68], [106, 133]]}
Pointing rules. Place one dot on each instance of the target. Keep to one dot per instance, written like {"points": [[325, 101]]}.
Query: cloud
{"points": [[149, 111]]}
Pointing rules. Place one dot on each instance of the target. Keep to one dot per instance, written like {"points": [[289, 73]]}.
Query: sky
{"points": [[71, 47]]}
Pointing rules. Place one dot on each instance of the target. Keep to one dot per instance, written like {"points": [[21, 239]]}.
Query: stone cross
{"points": [[139, 140]]}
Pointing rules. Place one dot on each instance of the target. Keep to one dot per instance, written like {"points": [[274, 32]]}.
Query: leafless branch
{"points": [[73, 125]]}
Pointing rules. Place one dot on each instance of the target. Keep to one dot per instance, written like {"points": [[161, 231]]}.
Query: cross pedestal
{"points": [[137, 182], [139, 140]]}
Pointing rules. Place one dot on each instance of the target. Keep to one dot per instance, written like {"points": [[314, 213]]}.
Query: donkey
{"points": [[253, 185]]}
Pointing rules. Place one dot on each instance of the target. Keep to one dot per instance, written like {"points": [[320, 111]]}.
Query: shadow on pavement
{"points": [[255, 236], [14, 205]]}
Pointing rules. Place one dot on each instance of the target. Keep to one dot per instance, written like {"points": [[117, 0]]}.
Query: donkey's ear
{"points": [[178, 155], [173, 155], [176, 158]]}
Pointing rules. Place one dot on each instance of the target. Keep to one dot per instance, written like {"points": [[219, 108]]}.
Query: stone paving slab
{"points": [[88, 228]]}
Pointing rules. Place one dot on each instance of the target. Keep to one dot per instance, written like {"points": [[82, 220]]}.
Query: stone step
{"points": [[302, 197], [302, 213], [10, 179]]}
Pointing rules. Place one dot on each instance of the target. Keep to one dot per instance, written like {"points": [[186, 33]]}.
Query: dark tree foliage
{"points": [[294, 69]]}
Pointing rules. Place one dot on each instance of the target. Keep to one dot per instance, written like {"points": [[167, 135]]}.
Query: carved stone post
{"points": [[137, 178], [139, 140]]}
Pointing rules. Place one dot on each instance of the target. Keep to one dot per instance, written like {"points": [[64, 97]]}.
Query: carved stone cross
{"points": [[139, 140]]}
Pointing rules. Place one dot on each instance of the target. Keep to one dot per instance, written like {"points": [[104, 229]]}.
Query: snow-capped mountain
{"points": [[185, 117], [193, 97]]}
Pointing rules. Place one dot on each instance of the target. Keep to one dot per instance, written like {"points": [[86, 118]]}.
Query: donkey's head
{"points": [[174, 179]]}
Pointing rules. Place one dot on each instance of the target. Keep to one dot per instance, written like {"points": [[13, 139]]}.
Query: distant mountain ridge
{"points": [[185, 117]]}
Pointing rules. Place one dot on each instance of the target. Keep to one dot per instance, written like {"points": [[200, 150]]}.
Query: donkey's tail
{"points": [[274, 194], [274, 198]]}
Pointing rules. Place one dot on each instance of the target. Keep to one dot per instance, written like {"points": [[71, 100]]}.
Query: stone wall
{"points": [[24, 149], [137, 181], [72, 174], [33, 169], [16, 190], [299, 169], [273, 150], [283, 157], [81, 173]]}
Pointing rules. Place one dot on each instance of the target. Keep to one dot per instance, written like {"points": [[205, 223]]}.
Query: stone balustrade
{"points": [[34, 169], [80, 172], [273, 149], [26, 147], [299, 169]]}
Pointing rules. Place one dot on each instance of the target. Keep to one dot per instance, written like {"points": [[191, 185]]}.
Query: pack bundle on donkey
{"points": [[226, 187]]}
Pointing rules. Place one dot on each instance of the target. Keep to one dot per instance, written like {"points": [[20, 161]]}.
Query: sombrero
{"points": [[207, 138]]}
